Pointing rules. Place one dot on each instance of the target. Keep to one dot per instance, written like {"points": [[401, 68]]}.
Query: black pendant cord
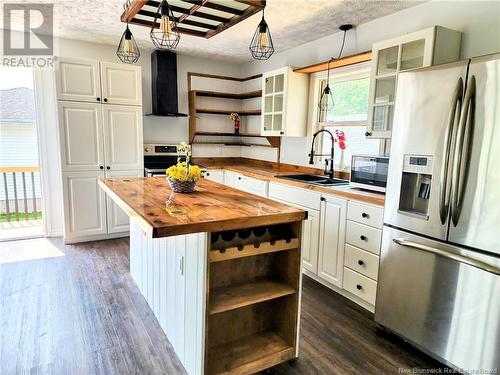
{"points": [[338, 57]]}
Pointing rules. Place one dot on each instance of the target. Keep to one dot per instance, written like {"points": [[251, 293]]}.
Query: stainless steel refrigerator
{"points": [[439, 277]]}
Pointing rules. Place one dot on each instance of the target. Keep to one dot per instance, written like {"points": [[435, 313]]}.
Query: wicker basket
{"points": [[181, 186]]}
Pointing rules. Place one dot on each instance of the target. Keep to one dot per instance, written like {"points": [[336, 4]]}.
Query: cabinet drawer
{"points": [[360, 285], [216, 175], [361, 261], [365, 214], [363, 236], [302, 197]]}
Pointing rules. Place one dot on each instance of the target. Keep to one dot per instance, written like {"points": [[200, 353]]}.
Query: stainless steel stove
{"points": [[158, 157]]}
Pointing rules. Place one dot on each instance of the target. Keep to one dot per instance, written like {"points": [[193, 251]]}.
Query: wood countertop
{"points": [[269, 174], [213, 207]]}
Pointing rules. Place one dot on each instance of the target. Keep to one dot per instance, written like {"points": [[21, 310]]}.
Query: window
{"points": [[350, 87]]}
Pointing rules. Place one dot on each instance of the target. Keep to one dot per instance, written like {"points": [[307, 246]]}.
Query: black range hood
{"points": [[164, 84]]}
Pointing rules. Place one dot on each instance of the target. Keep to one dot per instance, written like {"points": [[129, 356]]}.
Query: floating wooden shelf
{"points": [[230, 143], [226, 95], [344, 61], [219, 255], [249, 354], [254, 112], [228, 134], [236, 296]]}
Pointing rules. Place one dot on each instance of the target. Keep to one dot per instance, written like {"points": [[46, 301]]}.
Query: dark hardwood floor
{"points": [[76, 310]]}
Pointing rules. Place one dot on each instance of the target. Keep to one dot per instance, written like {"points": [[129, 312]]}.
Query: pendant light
{"points": [[326, 102], [261, 46], [167, 36], [128, 51]]}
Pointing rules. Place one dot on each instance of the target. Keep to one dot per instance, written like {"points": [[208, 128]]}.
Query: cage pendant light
{"points": [[326, 101], [261, 46], [128, 51], [166, 36]]}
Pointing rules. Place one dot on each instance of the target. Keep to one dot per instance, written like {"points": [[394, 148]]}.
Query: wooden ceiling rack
{"points": [[344, 61], [202, 18]]}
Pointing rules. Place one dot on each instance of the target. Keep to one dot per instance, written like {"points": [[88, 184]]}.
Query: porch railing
{"points": [[21, 193]]}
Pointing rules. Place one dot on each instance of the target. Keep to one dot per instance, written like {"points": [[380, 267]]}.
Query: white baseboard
{"points": [[70, 241]]}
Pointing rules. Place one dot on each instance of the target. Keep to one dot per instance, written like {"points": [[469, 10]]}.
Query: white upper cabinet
{"points": [[431, 46], [284, 103], [78, 80], [122, 137], [121, 84], [80, 130], [93, 81]]}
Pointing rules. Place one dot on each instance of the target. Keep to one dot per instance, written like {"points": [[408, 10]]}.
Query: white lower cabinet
{"points": [[332, 238], [118, 221], [310, 240], [88, 213], [85, 206], [215, 175]]}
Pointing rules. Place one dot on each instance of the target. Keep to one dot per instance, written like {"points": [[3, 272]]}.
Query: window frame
{"points": [[348, 73]]}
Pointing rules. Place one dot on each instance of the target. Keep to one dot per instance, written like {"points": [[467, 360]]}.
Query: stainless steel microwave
{"points": [[369, 172]]}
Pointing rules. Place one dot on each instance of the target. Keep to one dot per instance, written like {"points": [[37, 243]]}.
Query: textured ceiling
{"points": [[292, 22]]}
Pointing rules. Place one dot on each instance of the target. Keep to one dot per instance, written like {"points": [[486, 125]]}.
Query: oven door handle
{"points": [[446, 254]]}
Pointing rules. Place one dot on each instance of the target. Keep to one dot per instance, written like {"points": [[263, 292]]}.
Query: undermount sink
{"points": [[315, 180]]}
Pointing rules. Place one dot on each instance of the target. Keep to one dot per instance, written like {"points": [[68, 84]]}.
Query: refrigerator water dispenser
{"points": [[416, 181]]}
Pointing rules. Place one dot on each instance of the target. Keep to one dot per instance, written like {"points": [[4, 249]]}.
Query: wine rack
{"points": [[252, 299]]}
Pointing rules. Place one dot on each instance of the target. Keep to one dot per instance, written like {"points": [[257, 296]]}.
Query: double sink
{"points": [[315, 179]]}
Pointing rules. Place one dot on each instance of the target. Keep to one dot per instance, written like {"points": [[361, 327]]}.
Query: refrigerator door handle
{"points": [[466, 124], [446, 254], [444, 192]]}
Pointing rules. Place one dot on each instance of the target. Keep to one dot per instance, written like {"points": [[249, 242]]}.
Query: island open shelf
{"points": [[220, 269]]}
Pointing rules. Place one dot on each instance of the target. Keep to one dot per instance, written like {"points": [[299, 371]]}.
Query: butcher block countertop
{"points": [[213, 207], [269, 174]]}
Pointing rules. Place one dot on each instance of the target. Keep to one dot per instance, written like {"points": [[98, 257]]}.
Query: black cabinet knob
{"points": [[367, 134], [105, 100], [108, 167], [365, 215], [98, 99], [359, 287], [322, 199], [363, 238], [101, 167], [282, 133], [207, 174], [239, 178], [360, 262]]}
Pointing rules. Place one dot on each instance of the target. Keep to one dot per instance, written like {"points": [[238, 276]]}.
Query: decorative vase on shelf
{"points": [[342, 160]]}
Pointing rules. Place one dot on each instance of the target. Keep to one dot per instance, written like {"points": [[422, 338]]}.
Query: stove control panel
{"points": [[159, 149]]}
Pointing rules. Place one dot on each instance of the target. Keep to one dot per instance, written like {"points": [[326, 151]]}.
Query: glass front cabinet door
{"points": [[434, 45], [284, 96]]}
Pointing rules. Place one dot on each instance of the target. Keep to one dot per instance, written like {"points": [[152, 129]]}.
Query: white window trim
{"points": [[348, 73]]}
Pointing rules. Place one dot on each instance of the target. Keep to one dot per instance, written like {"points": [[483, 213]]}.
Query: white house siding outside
{"points": [[18, 146]]}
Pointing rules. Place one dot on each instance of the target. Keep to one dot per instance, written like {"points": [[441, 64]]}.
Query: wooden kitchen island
{"points": [[220, 269]]}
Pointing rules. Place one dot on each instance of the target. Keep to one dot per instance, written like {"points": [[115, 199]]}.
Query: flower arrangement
{"points": [[236, 118], [340, 139], [183, 176]]}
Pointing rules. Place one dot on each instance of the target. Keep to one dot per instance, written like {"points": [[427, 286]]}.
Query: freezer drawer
{"points": [[444, 299]]}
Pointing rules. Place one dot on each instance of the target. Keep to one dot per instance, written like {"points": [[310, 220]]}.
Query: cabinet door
{"points": [[274, 87], [123, 137], [332, 238], [121, 84], [80, 130], [215, 175], [118, 221], [310, 241], [78, 80], [84, 206]]}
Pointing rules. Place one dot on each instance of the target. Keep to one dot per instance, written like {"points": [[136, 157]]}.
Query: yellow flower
{"points": [[181, 173]]}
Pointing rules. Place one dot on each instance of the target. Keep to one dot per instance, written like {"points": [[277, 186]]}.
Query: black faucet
{"points": [[328, 171]]}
